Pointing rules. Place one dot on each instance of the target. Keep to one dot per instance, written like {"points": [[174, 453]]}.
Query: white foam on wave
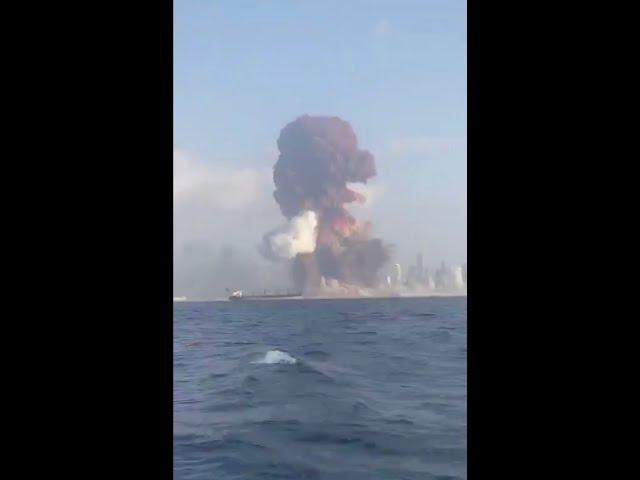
{"points": [[276, 356]]}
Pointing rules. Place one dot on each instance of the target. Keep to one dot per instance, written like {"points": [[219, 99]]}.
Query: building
{"points": [[397, 274], [429, 282], [419, 268], [412, 278], [441, 280], [457, 280]]}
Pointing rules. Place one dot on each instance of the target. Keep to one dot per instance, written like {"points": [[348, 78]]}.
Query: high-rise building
{"points": [[429, 281], [412, 278], [397, 274], [441, 277], [419, 268], [457, 278]]}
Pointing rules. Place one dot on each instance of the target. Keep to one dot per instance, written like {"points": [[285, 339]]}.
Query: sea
{"points": [[344, 389]]}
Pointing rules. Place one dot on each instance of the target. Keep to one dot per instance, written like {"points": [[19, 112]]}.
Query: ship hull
{"points": [[264, 297]]}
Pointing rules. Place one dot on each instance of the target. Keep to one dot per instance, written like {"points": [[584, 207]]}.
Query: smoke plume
{"points": [[298, 236], [319, 157]]}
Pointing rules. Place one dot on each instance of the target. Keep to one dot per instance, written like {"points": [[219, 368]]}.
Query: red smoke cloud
{"points": [[319, 156]]}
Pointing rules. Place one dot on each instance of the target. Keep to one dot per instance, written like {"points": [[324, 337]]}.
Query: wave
{"points": [[277, 356]]}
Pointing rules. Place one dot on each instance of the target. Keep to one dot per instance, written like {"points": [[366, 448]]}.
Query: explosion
{"points": [[319, 156], [299, 236]]}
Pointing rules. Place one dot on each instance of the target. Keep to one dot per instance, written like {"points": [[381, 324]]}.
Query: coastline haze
{"points": [[399, 79]]}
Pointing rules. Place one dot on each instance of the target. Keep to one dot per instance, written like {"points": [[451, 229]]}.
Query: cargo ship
{"points": [[238, 295]]}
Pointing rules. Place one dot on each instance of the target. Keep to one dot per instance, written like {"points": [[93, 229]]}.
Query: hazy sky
{"points": [[396, 70]]}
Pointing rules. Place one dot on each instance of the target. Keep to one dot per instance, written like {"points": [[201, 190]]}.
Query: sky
{"points": [[394, 69]]}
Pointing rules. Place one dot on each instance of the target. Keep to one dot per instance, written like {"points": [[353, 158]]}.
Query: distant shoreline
{"points": [[359, 297]]}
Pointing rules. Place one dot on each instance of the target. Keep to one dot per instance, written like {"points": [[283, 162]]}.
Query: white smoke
{"points": [[298, 236], [219, 210]]}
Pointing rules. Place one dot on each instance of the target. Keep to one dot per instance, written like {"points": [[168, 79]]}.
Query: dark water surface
{"points": [[320, 389]]}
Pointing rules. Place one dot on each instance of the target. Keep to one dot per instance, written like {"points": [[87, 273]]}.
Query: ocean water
{"points": [[321, 389]]}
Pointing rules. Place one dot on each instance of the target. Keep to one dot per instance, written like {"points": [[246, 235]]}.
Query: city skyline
{"points": [[398, 78]]}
